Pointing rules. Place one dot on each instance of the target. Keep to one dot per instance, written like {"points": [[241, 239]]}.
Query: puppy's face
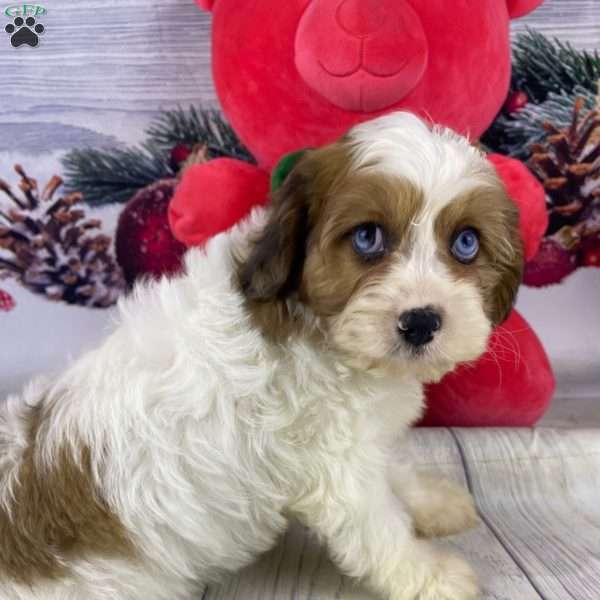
{"points": [[401, 241]]}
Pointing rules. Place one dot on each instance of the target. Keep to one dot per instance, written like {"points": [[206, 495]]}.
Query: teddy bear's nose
{"points": [[362, 17]]}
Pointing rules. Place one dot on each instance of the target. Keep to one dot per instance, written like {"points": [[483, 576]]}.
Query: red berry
{"points": [[6, 301], [515, 101], [179, 155], [144, 242], [550, 265], [590, 253]]}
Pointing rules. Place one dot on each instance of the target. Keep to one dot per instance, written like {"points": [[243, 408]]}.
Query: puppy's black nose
{"points": [[417, 326]]}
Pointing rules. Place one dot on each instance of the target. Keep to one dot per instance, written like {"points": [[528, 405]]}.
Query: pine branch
{"points": [[206, 126], [542, 66], [114, 174], [515, 134]]}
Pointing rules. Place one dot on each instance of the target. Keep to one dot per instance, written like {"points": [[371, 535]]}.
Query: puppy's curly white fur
{"points": [[275, 377]]}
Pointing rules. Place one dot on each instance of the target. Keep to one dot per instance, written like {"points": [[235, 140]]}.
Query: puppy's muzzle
{"points": [[418, 326]]}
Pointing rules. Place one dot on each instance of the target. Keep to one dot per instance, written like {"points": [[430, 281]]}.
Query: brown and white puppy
{"points": [[274, 377], [407, 253]]}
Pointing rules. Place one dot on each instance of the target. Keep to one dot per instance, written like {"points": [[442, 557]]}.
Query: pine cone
{"points": [[568, 165], [50, 247]]}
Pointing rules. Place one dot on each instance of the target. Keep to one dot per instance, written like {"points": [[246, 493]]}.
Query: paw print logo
{"points": [[24, 31]]}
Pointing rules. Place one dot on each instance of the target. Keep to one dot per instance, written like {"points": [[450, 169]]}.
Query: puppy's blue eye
{"points": [[465, 246], [368, 240]]}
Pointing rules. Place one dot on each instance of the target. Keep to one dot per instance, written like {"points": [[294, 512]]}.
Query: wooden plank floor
{"points": [[538, 492]]}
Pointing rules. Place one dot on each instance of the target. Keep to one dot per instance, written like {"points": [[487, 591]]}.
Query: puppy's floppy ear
{"points": [[510, 265], [274, 267]]}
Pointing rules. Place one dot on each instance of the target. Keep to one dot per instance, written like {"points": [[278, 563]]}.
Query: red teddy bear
{"points": [[298, 74]]}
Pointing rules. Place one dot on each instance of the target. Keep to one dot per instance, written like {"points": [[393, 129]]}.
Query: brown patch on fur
{"points": [[305, 250], [55, 514], [333, 271], [498, 268]]}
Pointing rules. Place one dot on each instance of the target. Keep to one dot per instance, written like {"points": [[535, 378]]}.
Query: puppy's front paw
{"points": [[442, 508], [453, 579], [439, 576]]}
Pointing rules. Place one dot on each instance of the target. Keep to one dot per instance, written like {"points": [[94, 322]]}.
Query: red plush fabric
{"points": [[338, 56], [519, 8], [213, 196], [529, 195], [510, 386], [298, 74], [266, 55]]}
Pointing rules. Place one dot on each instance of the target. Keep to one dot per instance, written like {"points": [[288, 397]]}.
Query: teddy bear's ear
{"points": [[205, 4], [519, 8]]}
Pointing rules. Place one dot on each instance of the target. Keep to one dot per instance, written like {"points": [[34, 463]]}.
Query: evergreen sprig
{"points": [[195, 126], [542, 66], [110, 175], [514, 134]]}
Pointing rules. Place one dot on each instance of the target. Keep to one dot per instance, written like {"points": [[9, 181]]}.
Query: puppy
{"points": [[273, 379]]}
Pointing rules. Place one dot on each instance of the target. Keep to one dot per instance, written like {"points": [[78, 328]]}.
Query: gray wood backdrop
{"points": [[104, 66]]}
